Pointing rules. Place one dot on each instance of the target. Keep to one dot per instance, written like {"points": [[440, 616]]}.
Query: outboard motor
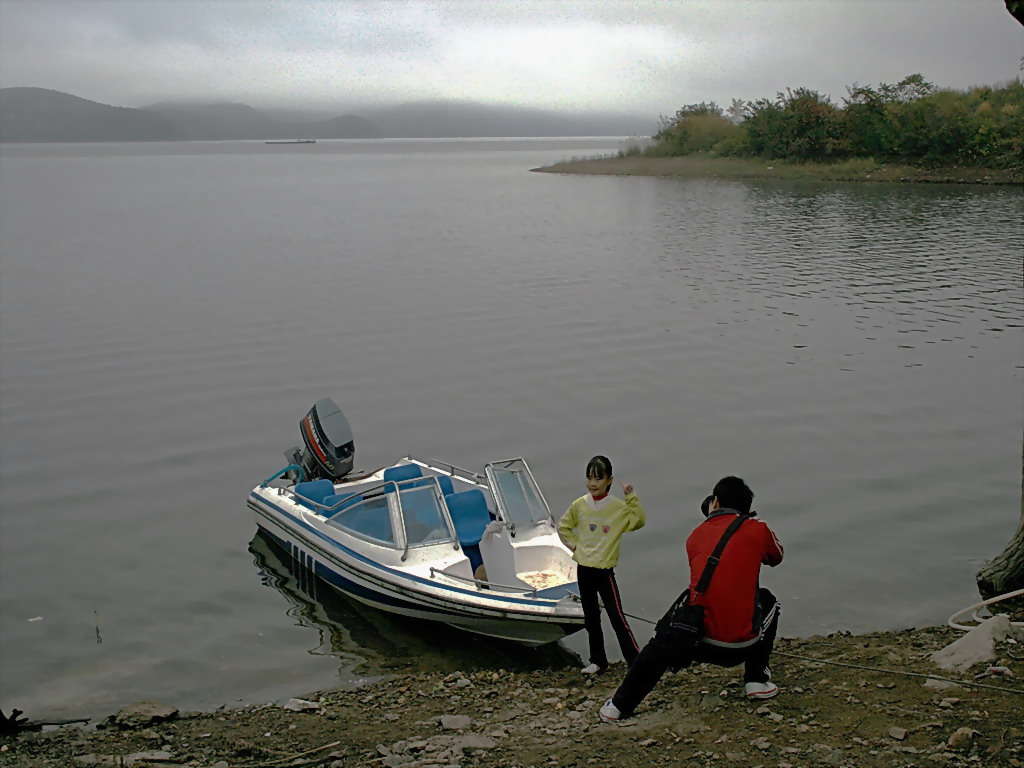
{"points": [[330, 450]]}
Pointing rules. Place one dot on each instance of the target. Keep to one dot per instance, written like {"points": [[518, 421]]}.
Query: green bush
{"points": [[910, 121]]}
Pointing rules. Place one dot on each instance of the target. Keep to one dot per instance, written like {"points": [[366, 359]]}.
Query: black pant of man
{"points": [[594, 582], [655, 659]]}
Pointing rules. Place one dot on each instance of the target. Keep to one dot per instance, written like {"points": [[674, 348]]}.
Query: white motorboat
{"points": [[476, 550]]}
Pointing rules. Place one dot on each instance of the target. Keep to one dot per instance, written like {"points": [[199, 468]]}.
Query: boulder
{"points": [[143, 713]]}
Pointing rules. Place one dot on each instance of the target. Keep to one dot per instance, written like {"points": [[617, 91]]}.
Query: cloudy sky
{"points": [[637, 56]]}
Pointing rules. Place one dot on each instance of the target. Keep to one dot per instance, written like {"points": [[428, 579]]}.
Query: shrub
{"points": [[910, 121]]}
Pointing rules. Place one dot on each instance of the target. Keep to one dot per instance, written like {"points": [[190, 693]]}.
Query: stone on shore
{"points": [[976, 646], [142, 713]]}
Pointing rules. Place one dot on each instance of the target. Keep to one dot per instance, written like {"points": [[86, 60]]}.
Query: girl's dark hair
{"points": [[599, 468]]}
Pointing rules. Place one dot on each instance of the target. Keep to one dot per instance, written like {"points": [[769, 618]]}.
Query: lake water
{"points": [[168, 313]]}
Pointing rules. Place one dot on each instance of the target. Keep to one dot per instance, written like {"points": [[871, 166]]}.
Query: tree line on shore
{"points": [[911, 122]]}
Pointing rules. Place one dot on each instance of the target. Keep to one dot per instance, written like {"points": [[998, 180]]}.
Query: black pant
{"points": [[655, 659], [601, 581]]}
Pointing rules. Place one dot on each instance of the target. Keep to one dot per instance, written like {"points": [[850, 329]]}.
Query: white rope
{"points": [[978, 606]]}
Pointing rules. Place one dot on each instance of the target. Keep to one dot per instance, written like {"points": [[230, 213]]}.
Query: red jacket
{"points": [[730, 604]]}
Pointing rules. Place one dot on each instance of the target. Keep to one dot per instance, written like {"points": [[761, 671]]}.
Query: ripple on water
{"points": [[855, 353]]}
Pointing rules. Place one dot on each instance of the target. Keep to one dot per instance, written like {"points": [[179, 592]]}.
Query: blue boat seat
{"points": [[402, 472], [330, 501], [412, 472], [470, 515], [313, 491], [446, 485], [443, 481]]}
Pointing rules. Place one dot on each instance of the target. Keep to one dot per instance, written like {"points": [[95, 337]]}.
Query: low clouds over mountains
{"points": [[42, 115]]}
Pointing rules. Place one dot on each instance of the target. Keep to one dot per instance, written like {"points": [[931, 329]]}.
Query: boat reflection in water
{"points": [[377, 643]]}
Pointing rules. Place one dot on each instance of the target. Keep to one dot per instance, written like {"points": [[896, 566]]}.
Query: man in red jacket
{"points": [[740, 617]]}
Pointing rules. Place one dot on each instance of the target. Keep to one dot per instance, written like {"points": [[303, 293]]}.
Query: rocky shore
{"points": [[862, 170], [863, 713]]}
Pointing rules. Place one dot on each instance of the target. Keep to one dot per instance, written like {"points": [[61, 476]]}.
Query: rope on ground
{"points": [[971, 684], [967, 683], [300, 754]]}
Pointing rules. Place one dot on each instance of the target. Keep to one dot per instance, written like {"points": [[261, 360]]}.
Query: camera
{"points": [[705, 506]]}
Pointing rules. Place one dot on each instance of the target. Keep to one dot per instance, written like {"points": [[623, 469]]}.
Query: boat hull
{"points": [[522, 619]]}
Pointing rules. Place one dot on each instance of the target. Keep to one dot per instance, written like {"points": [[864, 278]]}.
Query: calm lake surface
{"points": [[168, 313]]}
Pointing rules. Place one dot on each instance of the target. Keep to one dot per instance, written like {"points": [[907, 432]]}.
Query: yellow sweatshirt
{"points": [[594, 528]]}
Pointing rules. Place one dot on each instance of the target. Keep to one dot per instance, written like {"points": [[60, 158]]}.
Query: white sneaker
{"points": [[609, 712], [593, 669], [761, 690]]}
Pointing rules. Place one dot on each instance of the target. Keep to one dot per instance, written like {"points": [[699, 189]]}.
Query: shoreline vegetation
{"points": [[907, 132], [705, 165], [846, 700]]}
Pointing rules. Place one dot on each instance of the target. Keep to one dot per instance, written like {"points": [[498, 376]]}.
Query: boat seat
{"points": [[497, 552], [412, 472], [470, 515], [330, 501], [402, 472], [443, 481], [314, 491]]}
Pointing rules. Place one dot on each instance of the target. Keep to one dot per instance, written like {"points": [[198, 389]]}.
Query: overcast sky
{"points": [[647, 58]]}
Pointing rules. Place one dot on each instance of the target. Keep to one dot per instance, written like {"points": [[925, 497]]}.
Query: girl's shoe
{"points": [[593, 669]]}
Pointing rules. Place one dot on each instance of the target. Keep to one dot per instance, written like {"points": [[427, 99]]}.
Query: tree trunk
{"points": [[1016, 9], [1006, 572]]}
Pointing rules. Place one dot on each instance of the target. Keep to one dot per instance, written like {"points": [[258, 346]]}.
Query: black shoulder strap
{"points": [[709, 568]]}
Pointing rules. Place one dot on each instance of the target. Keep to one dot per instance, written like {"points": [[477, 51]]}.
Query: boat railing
{"points": [[481, 583], [334, 507], [443, 467], [282, 473]]}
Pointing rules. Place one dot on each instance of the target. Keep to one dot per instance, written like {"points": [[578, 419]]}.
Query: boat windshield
{"points": [[374, 514], [369, 518], [421, 513], [516, 493]]}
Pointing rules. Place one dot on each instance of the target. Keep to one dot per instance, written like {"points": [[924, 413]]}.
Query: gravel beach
{"points": [[859, 714]]}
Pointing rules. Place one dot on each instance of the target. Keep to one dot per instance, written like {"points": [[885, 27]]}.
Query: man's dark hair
{"points": [[599, 468], [733, 493]]}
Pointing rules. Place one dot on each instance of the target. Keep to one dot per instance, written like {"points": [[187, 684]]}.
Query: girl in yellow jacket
{"points": [[592, 528]]}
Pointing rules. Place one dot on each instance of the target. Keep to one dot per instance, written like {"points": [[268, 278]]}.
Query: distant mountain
{"points": [[346, 127], [211, 122], [217, 121], [38, 114], [41, 115]]}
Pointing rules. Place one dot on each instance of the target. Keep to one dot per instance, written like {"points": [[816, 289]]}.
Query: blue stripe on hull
{"points": [[364, 559], [333, 544], [544, 631], [348, 586], [490, 621]]}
